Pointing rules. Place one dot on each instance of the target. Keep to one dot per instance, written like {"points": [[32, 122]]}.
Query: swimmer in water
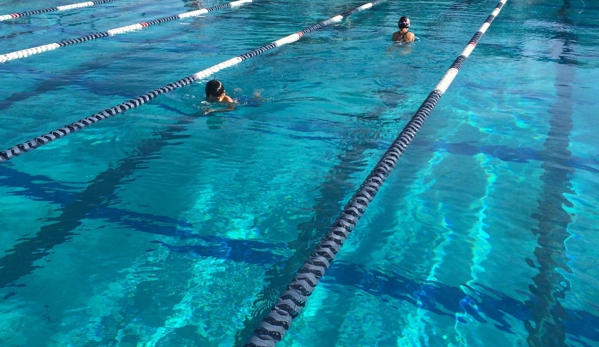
{"points": [[215, 93], [403, 35]]}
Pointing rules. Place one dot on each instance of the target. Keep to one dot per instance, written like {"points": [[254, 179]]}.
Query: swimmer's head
{"points": [[214, 88], [404, 22]]}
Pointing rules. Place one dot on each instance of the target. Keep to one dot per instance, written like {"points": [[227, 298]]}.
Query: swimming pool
{"points": [[159, 227]]}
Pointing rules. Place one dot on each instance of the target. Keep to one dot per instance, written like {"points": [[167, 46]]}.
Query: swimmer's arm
{"points": [[410, 37], [230, 106]]}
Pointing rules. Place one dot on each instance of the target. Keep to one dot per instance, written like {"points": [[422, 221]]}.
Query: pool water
{"points": [[164, 227]]}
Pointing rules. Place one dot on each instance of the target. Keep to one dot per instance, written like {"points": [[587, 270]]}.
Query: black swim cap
{"points": [[214, 87], [404, 22]]}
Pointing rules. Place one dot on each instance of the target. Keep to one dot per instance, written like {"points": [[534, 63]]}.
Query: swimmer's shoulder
{"points": [[397, 37]]}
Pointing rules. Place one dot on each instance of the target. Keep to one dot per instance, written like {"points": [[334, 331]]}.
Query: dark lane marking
{"points": [[40, 187], [436, 297], [240, 251], [20, 258], [446, 300], [507, 154], [346, 159], [36, 187], [43, 188], [546, 326], [178, 229], [329, 203]]}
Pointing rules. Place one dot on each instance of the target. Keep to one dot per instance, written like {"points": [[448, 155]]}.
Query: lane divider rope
{"points": [[140, 100], [53, 9], [112, 32], [290, 303]]}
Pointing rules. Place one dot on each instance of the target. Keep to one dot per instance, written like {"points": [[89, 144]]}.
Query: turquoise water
{"points": [[161, 227]]}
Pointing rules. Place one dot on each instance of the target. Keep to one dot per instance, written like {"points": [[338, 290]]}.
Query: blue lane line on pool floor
{"points": [[507, 154], [63, 194], [396, 286], [441, 298]]}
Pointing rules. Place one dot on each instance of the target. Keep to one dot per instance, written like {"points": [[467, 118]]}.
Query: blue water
{"points": [[162, 227]]}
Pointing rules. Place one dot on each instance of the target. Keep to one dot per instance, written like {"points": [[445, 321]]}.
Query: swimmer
{"points": [[403, 35], [215, 93]]}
